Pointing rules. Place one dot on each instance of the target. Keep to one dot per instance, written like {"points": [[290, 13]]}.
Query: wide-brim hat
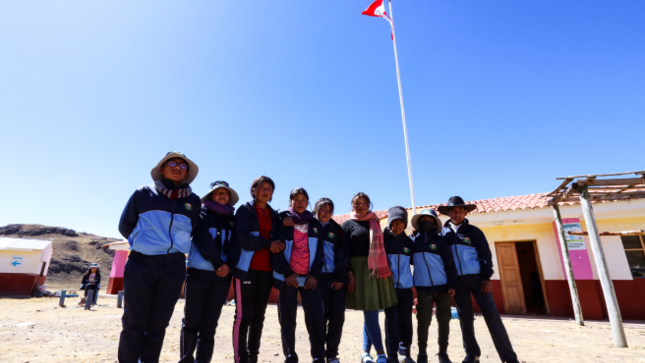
{"points": [[192, 167], [426, 212], [220, 184], [455, 202]]}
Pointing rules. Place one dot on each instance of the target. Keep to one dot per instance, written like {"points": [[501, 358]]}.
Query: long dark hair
{"points": [[259, 180], [89, 272]]}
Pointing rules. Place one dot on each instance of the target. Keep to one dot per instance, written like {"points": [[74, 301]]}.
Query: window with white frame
{"points": [[635, 251]]}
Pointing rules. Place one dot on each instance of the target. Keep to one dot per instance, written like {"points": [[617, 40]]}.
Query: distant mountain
{"points": [[73, 252]]}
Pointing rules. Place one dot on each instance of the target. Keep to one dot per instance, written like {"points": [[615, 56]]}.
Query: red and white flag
{"points": [[377, 9]]}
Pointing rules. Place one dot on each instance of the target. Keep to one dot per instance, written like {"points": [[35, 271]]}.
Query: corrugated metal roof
{"points": [[21, 244]]}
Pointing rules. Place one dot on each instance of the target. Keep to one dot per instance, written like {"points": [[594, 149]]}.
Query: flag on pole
{"points": [[377, 9]]}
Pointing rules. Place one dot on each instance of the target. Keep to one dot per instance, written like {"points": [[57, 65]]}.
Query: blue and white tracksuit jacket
{"points": [[336, 252], [470, 250], [434, 267], [213, 242], [399, 255], [247, 236], [281, 267], [156, 225]]}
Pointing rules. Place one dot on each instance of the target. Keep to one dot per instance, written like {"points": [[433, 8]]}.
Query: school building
{"points": [[529, 273]]}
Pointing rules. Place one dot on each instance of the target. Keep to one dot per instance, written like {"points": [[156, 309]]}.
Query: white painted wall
{"points": [[31, 261]]}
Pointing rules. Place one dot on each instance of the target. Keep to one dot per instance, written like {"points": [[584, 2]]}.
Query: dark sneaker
{"points": [[406, 359], [471, 359], [443, 358]]}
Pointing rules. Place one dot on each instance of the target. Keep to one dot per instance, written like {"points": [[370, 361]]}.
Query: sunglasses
{"points": [[173, 164]]}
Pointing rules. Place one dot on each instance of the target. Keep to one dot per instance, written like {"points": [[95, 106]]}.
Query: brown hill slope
{"points": [[73, 252]]}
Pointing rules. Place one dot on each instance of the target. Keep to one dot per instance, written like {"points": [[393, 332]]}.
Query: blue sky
{"points": [[501, 98]]}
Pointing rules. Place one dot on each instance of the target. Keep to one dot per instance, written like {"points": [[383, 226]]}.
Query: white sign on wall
{"points": [[16, 261], [574, 242]]}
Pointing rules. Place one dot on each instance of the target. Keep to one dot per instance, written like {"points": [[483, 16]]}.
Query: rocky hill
{"points": [[73, 252]]}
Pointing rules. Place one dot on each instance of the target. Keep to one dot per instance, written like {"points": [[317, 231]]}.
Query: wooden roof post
{"points": [[573, 289], [615, 318]]}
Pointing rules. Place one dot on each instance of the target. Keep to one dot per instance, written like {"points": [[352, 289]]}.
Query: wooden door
{"points": [[509, 271]]}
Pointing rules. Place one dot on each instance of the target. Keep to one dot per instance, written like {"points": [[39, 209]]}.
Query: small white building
{"points": [[23, 263]]}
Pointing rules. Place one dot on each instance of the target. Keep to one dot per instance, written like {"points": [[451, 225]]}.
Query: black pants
{"points": [[152, 286], [472, 284], [334, 301], [398, 324], [425, 300], [251, 298], [314, 309], [205, 295]]}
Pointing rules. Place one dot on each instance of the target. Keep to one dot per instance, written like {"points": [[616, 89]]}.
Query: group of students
{"points": [[332, 267]]}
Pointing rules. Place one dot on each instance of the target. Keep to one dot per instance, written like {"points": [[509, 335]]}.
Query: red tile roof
{"points": [[530, 201]]}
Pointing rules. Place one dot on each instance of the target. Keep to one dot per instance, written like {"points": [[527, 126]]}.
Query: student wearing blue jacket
{"points": [[398, 318], [158, 222], [332, 280], [473, 261], [210, 263], [435, 280], [297, 271], [258, 234]]}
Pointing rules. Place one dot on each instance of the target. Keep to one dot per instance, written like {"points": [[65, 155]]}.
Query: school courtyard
{"points": [[37, 330]]}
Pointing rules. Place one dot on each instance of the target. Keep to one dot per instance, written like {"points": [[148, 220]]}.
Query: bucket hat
{"points": [[192, 167], [220, 184], [454, 202], [425, 212], [94, 265]]}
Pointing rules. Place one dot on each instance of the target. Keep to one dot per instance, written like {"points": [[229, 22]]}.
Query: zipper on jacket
{"points": [[458, 260], [324, 257], [398, 270], [456, 251], [172, 217], [427, 266]]}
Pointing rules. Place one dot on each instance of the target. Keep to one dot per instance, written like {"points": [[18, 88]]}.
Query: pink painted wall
{"points": [[577, 251], [118, 263]]}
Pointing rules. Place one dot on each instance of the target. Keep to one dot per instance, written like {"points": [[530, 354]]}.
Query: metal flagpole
{"points": [[405, 128]]}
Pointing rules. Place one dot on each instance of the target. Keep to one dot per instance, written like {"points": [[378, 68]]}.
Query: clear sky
{"points": [[501, 98]]}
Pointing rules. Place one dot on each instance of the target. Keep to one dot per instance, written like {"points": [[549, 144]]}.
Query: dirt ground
{"points": [[37, 330]]}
